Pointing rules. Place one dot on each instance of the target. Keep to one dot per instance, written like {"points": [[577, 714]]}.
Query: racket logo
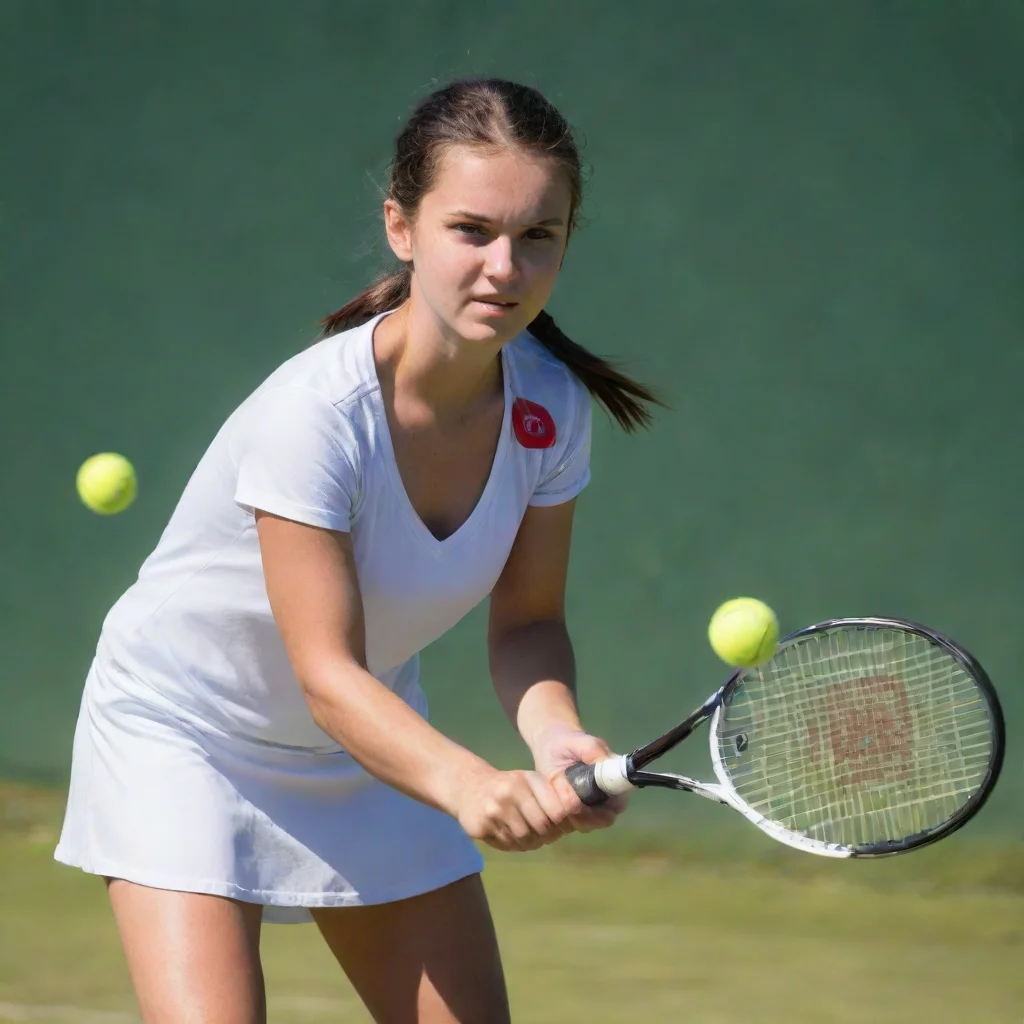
{"points": [[532, 424], [868, 728]]}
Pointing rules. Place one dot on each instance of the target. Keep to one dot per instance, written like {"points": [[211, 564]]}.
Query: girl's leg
{"points": [[191, 957], [430, 959]]}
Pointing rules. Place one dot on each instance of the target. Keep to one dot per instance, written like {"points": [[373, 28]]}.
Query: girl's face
{"points": [[487, 242]]}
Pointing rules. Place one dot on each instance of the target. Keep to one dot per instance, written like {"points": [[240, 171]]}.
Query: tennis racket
{"points": [[858, 738]]}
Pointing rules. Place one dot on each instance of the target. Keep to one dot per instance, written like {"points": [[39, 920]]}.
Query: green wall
{"points": [[805, 223]]}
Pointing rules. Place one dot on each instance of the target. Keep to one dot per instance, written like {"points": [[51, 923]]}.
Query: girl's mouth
{"points": [[495, 308]]}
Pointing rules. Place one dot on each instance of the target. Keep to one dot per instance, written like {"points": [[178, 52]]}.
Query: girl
{"points": [[253, 742]]}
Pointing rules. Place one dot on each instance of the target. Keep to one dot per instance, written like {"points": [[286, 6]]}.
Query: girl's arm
{"points": [[314, 594], [531, 656]]}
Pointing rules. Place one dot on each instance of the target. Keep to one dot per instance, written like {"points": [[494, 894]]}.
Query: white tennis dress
{"points": [[197, 765]]}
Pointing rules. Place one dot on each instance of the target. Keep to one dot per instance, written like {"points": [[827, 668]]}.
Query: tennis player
{"points": [[253, 742]]}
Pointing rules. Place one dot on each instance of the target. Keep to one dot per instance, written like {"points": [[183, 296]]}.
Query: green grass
{"points": [[592, 930]]}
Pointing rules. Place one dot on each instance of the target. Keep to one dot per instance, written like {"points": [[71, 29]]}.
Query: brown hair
{"points": [[494, 113]]}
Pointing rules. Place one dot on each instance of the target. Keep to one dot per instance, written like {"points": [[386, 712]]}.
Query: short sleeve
{"points": [[566, 468], [296, 457]]}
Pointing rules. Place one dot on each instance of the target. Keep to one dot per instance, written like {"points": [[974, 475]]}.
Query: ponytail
{"points": [[623, 397], [387, 292]]}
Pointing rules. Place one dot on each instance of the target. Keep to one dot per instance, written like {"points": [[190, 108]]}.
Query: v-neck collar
{"points": [[472, 521]]}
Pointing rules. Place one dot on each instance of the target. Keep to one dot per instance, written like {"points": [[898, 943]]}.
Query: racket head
{"points": [[860, 737]]}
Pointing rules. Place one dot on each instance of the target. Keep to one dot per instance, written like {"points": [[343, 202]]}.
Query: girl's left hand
{"points": [[561, 746]]}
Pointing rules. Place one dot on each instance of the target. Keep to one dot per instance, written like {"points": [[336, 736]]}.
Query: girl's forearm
{"points": [[533, 670], [387, 737]]}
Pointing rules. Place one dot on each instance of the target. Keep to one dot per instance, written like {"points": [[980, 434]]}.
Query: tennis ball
{"points": [[744, 632], [106, 483]]}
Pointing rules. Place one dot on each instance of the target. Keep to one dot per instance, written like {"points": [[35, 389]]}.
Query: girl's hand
{"points": [[561, 746], [513, 810]]}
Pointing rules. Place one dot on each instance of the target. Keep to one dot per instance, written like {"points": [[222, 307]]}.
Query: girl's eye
{"points": [[533, 234]]}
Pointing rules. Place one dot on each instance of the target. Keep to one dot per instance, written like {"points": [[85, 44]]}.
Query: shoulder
{"points": [[338, 370], [320, 400], [539, 377], [326, 389], [548, 396]]}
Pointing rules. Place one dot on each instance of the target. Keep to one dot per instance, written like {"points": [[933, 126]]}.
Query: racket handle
{"points": [[594, 783], [581, 776]]}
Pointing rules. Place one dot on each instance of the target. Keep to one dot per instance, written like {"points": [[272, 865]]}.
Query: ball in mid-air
{"points": [[744, 632], [106, 483]]}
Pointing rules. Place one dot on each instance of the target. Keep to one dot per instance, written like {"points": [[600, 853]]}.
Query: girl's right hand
{"points": [[516, 810]]}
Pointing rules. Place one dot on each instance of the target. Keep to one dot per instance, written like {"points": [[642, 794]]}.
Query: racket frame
{"points": [[622, 773]]}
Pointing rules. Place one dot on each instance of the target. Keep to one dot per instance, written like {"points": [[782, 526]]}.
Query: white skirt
{"points": [[154, 801]]}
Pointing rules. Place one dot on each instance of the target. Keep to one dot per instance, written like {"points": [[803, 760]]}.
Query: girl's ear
{"points": [[399, 231]]}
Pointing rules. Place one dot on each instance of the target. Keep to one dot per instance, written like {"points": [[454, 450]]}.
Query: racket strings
{"points": [[857, 736]]}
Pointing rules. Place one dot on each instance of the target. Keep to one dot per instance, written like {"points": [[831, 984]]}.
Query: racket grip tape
{"points": [[594, 783]]}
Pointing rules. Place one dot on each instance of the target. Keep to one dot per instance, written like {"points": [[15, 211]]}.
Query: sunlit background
{"points": [[804, 223]]}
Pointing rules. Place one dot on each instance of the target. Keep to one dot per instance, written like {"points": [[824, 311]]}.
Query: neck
{"points": [[427, 364]]}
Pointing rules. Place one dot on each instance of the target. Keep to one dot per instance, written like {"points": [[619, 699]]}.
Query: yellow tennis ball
{"points": [[744, 632], [106, 483]]}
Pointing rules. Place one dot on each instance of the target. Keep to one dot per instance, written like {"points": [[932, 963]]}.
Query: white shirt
{"points": [[195, 634]]}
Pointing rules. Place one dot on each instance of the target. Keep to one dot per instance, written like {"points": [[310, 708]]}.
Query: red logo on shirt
{"points": [[533, 424]]}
